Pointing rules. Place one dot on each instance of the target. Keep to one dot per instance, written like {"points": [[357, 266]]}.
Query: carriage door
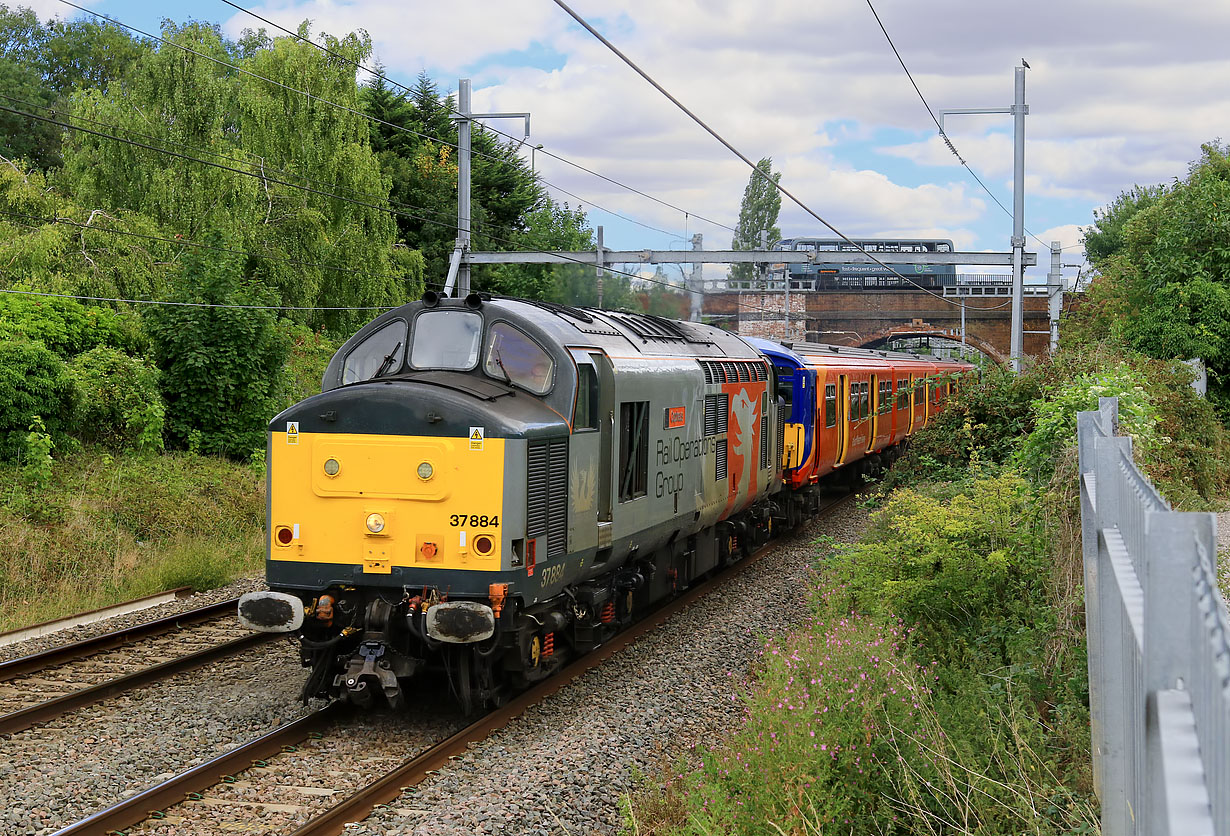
{"points": [[843, 425], [593, 419]]}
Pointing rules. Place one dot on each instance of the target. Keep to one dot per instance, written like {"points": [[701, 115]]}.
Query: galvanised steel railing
{"points": [[1159, 647]]}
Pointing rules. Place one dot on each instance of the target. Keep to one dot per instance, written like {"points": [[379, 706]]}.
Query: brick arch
{"points": [[878, 339]]}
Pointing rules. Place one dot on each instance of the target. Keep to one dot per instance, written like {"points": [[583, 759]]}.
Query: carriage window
{"points": [[515, 358], [830, 404], [446, 340], [903, 393], [377, 355]]}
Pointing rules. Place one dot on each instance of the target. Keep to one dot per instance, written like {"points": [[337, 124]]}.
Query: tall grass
{"points": [[107, 527]]}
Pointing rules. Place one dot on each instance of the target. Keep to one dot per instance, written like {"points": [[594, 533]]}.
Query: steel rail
{"points": [[139, 807], [387, 788], [49, 710], [333, 821], [23, 665], [55, 625]]}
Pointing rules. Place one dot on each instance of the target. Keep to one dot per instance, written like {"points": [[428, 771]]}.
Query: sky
{"points": [[1120, 92]]}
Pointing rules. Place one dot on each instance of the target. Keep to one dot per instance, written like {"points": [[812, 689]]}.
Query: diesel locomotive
{"points": [[487, 487]]}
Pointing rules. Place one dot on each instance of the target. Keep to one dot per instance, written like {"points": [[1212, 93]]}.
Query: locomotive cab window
{"points": [[585, 416], [446, 339], [377, 355], [515, 358]]}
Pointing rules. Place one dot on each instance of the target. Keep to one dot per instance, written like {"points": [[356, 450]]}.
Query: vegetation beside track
{"points": [[940, 685], [105, 527]]}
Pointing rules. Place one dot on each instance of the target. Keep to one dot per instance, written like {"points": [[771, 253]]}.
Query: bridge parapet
{"points": [[1159, 647]]}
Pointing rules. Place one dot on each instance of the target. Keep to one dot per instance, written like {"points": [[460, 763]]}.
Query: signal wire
{"points": [[729, 147]]}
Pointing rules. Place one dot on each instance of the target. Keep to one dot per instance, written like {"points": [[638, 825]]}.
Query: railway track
{"points": [[156, 804], [46, 685]]}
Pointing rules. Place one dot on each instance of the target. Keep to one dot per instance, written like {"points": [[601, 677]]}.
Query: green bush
{"points": [[34, 384], [309, 354], [118, 403], [221, 355], [67, 327], [969, 571]]}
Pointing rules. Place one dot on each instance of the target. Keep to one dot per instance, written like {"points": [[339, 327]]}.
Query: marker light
{"points": [[375, 523], [425, 471], [332, 466]]}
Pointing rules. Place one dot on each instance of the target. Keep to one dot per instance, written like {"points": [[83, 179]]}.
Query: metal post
{"points": [[1017, 341], [1018, 110], [463, 183], [465, 118], [964, 344], [698, 243], [599, 269], [1054, 290]]}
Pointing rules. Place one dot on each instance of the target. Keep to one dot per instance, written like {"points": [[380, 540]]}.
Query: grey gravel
{"points": [[562, 767], [97, 628], [54, 774]]}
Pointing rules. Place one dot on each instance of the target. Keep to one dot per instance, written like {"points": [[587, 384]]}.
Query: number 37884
{"points": [[474, 520]]}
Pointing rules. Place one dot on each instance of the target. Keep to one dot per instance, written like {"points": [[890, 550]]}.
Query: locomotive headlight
{"points": [[425, 471], [375, 523], [332, 466]]}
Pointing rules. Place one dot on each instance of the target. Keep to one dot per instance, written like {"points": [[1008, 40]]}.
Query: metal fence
{"points": [[1159, 658]]}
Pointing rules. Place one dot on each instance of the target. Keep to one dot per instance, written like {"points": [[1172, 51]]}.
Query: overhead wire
{"points": [[263, 176], [492, 129], [944, 136], [755, 169], [518, 247], [345, 108]]}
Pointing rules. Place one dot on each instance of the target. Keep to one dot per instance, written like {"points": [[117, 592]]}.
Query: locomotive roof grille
{"points": [[648, 327], [734, 371]]}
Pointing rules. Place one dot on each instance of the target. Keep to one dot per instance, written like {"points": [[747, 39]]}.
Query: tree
{"points": [[421, 162], [289, 179], [757, 213], [1168, 273], [1104, 237]]}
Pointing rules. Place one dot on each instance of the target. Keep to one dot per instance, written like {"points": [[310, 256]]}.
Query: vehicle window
{"points": [[830, 404], [446, 340], [379, 354], [585, 416], [633, 450], [515, 358]]}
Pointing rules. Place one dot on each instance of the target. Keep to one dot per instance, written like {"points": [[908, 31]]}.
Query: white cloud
{"points": [[1121, 92]]}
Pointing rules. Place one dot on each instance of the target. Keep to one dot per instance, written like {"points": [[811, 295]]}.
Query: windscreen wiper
{"points": [[388, 361]]}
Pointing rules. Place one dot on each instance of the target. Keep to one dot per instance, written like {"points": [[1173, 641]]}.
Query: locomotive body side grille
{"points": [[546, 495], [764, 431]]}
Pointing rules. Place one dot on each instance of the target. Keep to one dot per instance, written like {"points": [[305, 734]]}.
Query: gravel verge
{"points": [[97, 628], [562, 767]]}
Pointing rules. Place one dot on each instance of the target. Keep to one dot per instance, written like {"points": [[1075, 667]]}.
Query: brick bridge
{"points": [[870, 319]]}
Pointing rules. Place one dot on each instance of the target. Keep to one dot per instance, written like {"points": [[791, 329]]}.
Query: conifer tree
{"points": [[761, 204]]}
